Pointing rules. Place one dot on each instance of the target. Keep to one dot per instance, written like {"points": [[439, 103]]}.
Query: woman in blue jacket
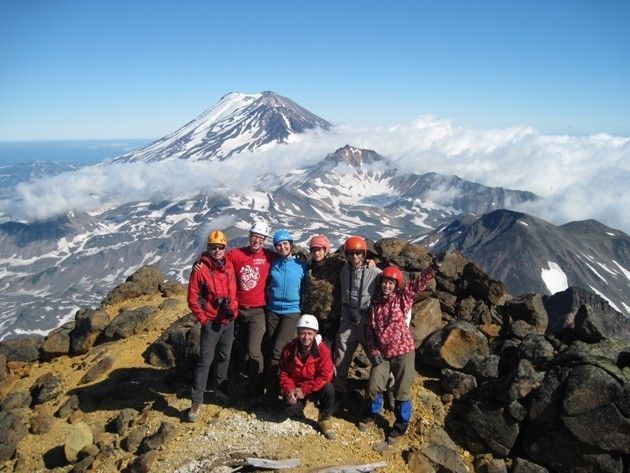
{"points": [[286, 284]]}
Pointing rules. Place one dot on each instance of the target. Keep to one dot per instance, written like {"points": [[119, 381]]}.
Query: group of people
{"points": [[262, 298]]}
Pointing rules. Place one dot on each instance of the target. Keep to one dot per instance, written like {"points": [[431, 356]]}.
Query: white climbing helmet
{"points": [[261, 228], [308, 321]]}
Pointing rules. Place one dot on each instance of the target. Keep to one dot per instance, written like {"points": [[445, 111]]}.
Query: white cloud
{"points": [[578, 177]]}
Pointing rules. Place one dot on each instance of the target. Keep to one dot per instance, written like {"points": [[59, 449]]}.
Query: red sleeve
{"points": [[323, 371], [287, 384], [194, 297]]}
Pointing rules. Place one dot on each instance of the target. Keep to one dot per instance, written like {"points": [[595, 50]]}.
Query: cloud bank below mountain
{"points": [[577, 177]]}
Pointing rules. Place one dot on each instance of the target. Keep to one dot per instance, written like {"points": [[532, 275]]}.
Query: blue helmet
{"points": [[282, 235]]}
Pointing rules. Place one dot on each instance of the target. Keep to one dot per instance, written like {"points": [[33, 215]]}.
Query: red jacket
{"points": [[252, 272], [311, 374], [387, 333], [209, 283]]}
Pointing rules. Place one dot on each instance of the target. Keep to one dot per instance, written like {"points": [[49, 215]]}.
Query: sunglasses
{"points": [[353, 253], [216, 247]]}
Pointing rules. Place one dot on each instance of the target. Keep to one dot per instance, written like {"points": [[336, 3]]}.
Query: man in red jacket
{"points": [[306, 372], [212, 299]]}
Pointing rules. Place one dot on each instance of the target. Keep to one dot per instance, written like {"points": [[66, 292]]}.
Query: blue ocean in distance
{"points": [[79, 152]]}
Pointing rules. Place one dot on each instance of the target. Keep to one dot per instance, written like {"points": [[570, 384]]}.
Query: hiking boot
{"points": [[395, 434], [325, 425], [221, 398], [365, 424], [193, 413]]}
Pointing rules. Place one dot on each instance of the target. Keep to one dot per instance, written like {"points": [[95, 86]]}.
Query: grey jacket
{"points": [[352, 281]]}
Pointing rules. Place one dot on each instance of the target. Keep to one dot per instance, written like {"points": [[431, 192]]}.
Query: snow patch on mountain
{"points": [[555, 279]]}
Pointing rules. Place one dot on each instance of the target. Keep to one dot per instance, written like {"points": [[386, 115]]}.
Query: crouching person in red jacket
{"points": [[306, 372], [391, 347], [212, 299]]}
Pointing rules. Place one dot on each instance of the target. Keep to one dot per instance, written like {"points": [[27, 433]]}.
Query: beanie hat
{"points": [[320, 241]]}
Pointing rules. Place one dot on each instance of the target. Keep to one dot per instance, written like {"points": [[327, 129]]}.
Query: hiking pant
{"points": [[324, 399], [216, 338], [404, 371], [280, 331], [250, 333], [348, 338]]}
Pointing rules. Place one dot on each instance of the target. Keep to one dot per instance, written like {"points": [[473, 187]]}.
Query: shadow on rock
{"points": [[128, 388]]}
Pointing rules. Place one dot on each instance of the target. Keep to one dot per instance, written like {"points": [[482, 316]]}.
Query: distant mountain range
{"points": [[49, 269]]}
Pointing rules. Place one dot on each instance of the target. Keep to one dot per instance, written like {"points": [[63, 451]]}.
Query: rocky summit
{"points": [[500, 386]]}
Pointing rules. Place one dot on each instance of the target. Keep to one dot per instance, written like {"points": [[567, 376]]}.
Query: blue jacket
{"points": [[287, 279]]}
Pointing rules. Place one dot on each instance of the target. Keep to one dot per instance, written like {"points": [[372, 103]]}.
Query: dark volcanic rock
{"points": [[144, 281], [481, 287], [483, 368], [441, 452], [12, 430], [483, 427], [121, 423], [521, 465], [529, 308], [57, 343], [16, 400], [71, 404], [454, 345], [164, 434], [48, 386], [593, 326], [22, 349], [129, 322], [88, 324], [578, 419], [98, 370], [426, 318], [563, 306], [177, 346], [457, 383]]}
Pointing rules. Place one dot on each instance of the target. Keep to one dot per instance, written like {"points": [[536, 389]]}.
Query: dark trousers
{"points": [[328, 329], [216, 339], [324, 399], [250, 330], [280, 331]]}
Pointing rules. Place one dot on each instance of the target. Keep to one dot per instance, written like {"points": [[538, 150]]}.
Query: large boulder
{"points": [[578, 420], [57, 343], [145, 281], [22, 349], [481, 287], [129, 322], [426, 318], [593, 325], [178, 346], [482, 426], [454, 345], [529, 308], [88, 324]]}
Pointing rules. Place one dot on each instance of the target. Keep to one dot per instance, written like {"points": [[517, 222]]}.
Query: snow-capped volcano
{"points": [[238, 122]]}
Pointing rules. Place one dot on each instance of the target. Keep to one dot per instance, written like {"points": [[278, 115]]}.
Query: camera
{"points": [[223, 307], [354, 315]]}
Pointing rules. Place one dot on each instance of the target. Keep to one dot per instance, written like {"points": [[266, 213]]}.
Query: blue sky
{"points": [[140, 69]]}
